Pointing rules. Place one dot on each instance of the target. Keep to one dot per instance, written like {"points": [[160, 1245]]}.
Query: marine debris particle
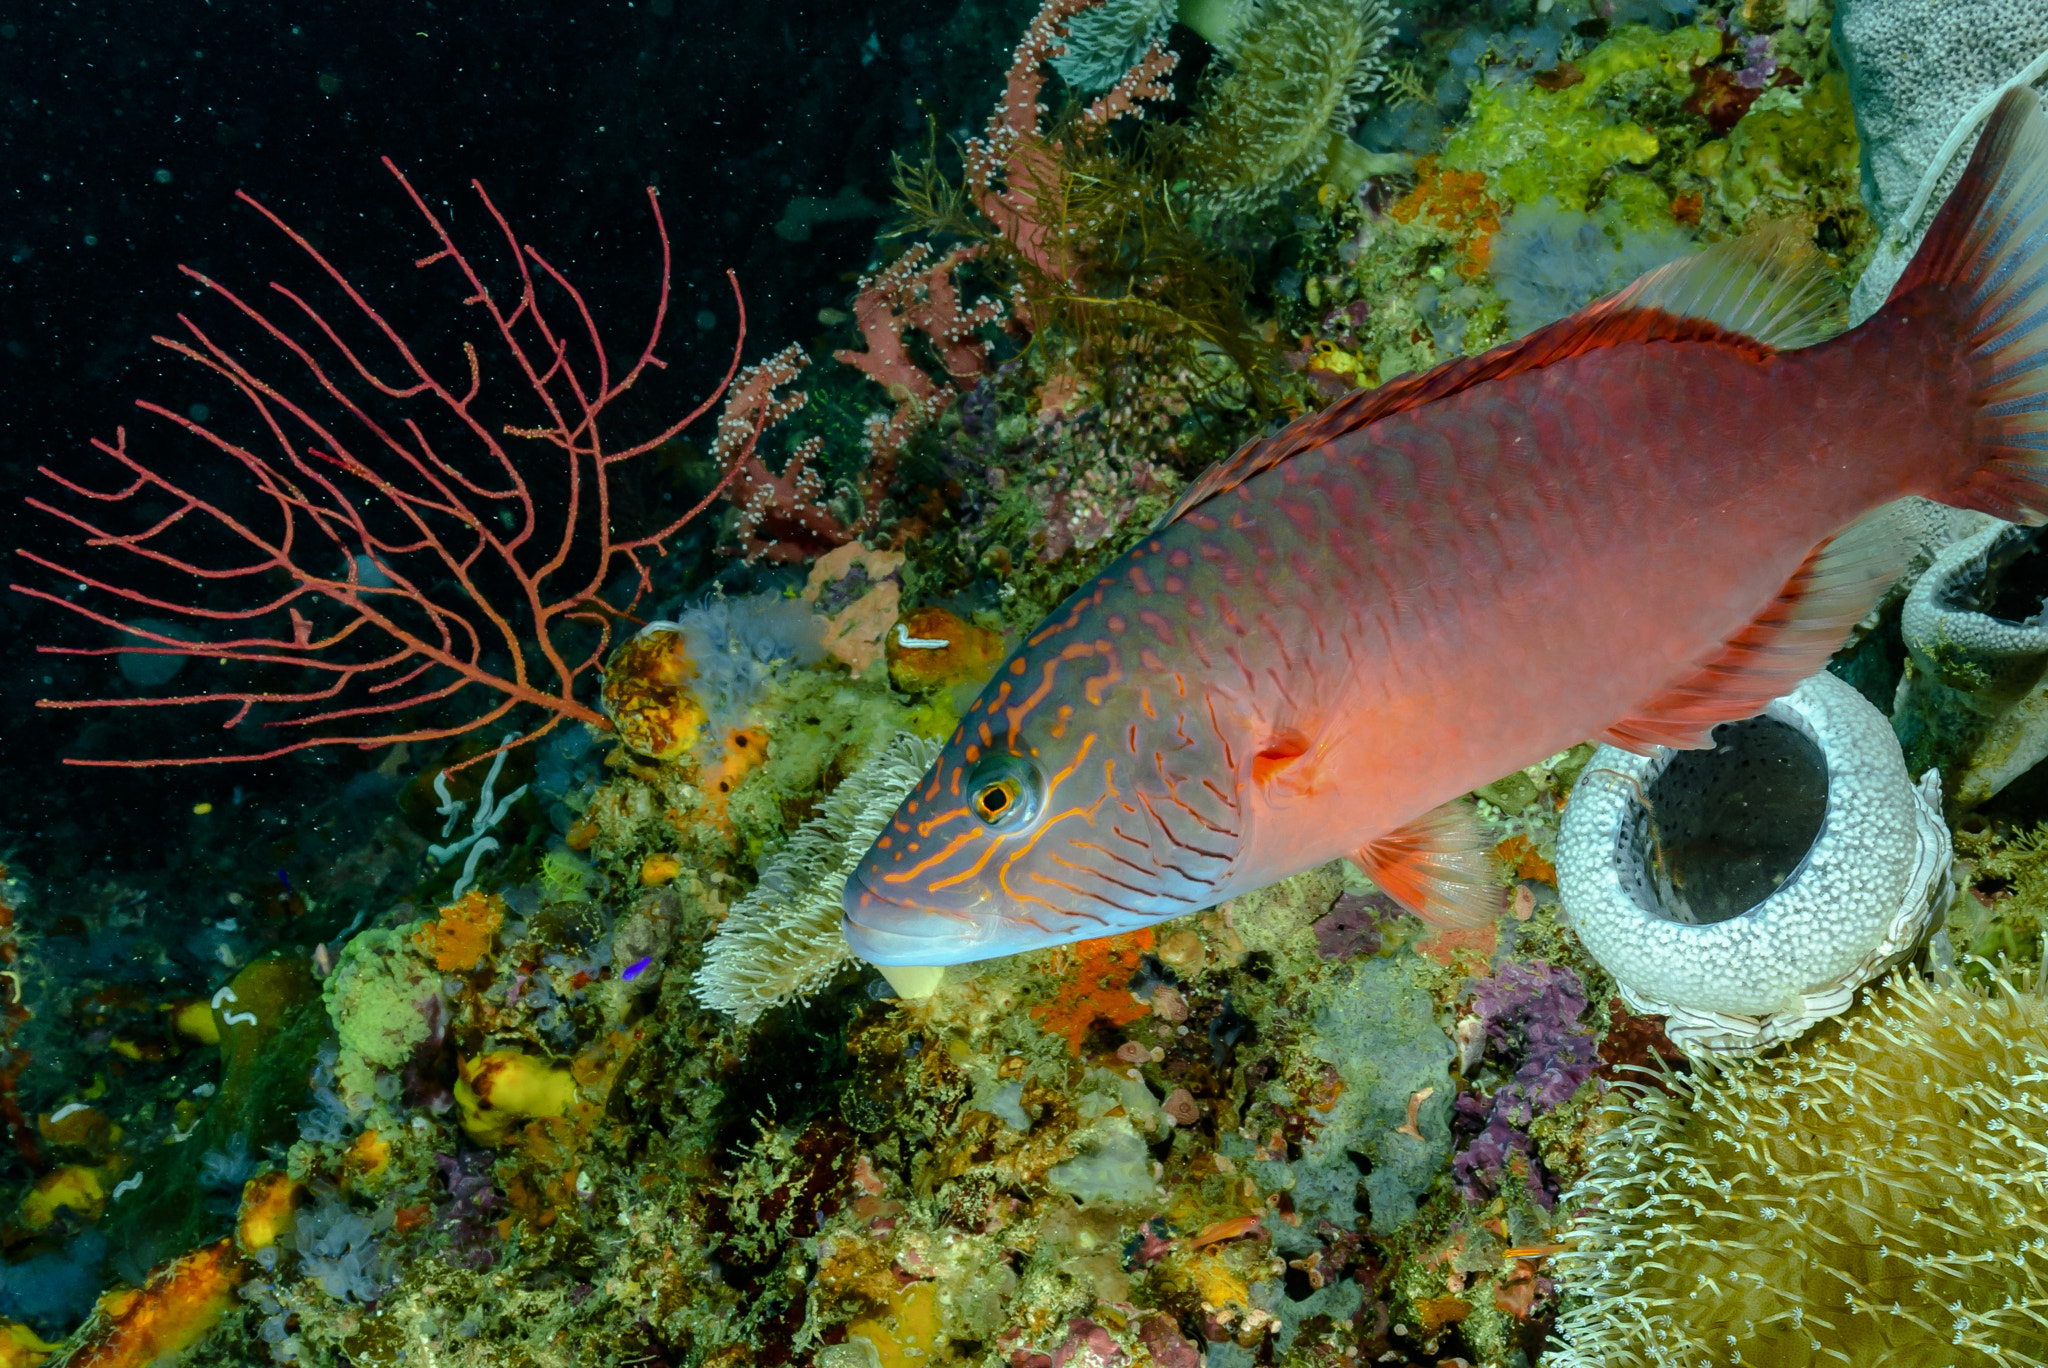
{"points": [[458, 941], [1097, 988]]}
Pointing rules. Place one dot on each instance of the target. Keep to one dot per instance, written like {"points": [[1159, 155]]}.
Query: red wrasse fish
{"points": [[1639, 522]]}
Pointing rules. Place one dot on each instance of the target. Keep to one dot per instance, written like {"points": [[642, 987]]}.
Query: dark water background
{"points": [[129, 127]]}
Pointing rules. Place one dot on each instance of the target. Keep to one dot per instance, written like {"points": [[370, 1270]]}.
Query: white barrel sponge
{"points": [[1746, 892]]}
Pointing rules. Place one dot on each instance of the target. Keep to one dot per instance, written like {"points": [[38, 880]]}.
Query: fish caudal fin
{"points": [[1440, 867], [1989, 246], [1839, 581]]}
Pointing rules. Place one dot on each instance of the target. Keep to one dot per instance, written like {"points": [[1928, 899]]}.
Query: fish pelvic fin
{"points": [[1989, 248], [1439, 866], [1766, 292], [1791, 638]]}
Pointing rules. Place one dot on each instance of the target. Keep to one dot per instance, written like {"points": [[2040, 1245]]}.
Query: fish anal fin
{"points": [[1439, 866], [1790, 639], [1757, 295]]}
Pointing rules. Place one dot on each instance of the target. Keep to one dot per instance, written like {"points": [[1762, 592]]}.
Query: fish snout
{"points": [[893, 928]]}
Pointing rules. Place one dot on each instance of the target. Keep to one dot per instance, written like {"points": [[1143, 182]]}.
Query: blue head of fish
{"points": [[1081, 796]]}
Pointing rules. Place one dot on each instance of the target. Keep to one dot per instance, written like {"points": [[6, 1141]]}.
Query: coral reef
{"points": [[1870, 1197], [616, 1096]]}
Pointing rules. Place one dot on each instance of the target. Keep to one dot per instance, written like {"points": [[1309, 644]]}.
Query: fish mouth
{"points": [[885, 930]]}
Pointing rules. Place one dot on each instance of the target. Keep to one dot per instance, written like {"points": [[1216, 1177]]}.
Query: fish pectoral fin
{"points": [[1439, 866], [1791, 638], [1278, 765]]}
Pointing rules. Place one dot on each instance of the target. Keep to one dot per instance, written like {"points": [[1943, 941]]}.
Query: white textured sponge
{"points": [[1855, 905]]}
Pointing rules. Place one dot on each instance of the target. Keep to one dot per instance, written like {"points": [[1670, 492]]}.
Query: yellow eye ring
{"points": [[996, 799]]}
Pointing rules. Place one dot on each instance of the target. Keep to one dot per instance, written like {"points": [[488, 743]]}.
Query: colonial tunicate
{"points": [[1747, 891]]}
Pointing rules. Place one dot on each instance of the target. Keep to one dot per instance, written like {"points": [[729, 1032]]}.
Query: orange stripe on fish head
{"points": [[1089, 790]]}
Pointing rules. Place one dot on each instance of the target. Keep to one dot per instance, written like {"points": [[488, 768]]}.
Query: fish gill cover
{"points": [[398, 1051]]}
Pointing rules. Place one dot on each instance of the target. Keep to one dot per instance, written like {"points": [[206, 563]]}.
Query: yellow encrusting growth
{"points": [[463, 934], [77, 1188], [499, 1091], [21, 1347], [1875, 1195], [270, 1202]]}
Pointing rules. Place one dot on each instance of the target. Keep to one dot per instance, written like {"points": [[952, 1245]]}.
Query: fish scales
{"points": [[1325, 647]]}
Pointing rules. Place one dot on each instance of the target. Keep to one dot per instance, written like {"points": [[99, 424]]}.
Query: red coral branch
{"points": [[783, 517], [385, 536], [1014, 174]]}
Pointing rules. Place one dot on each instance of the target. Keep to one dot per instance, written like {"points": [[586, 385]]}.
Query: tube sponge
{"points": [[1877, 1197]]}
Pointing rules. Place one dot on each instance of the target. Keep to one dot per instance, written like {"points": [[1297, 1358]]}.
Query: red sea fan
{"points": [[413, 540]]}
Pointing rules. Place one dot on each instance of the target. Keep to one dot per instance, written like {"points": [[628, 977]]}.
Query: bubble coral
{"points": [[1873, 1196], [1746, 892]]}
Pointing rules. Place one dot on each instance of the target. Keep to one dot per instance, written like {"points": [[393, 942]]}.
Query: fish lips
{"points": [[885, 930]]}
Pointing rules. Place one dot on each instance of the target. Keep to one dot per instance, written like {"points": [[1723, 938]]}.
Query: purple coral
{"points": [[1530, 1013], [1352, 926], [1087, 1345], [1169, 1347], [1758, 65], [466, 1219]]}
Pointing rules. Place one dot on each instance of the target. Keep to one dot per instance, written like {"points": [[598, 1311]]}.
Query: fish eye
{"points": [[1004, 791]]}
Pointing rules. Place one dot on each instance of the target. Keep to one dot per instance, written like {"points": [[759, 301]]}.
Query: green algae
{"points": [[1562, 144], [375, 998], [1794, 153]]}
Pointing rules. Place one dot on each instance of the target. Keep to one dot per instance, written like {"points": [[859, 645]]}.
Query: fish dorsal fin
{"points": [[1770, 286], [1439, 866], [1792, 638], [1760, 294]]}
